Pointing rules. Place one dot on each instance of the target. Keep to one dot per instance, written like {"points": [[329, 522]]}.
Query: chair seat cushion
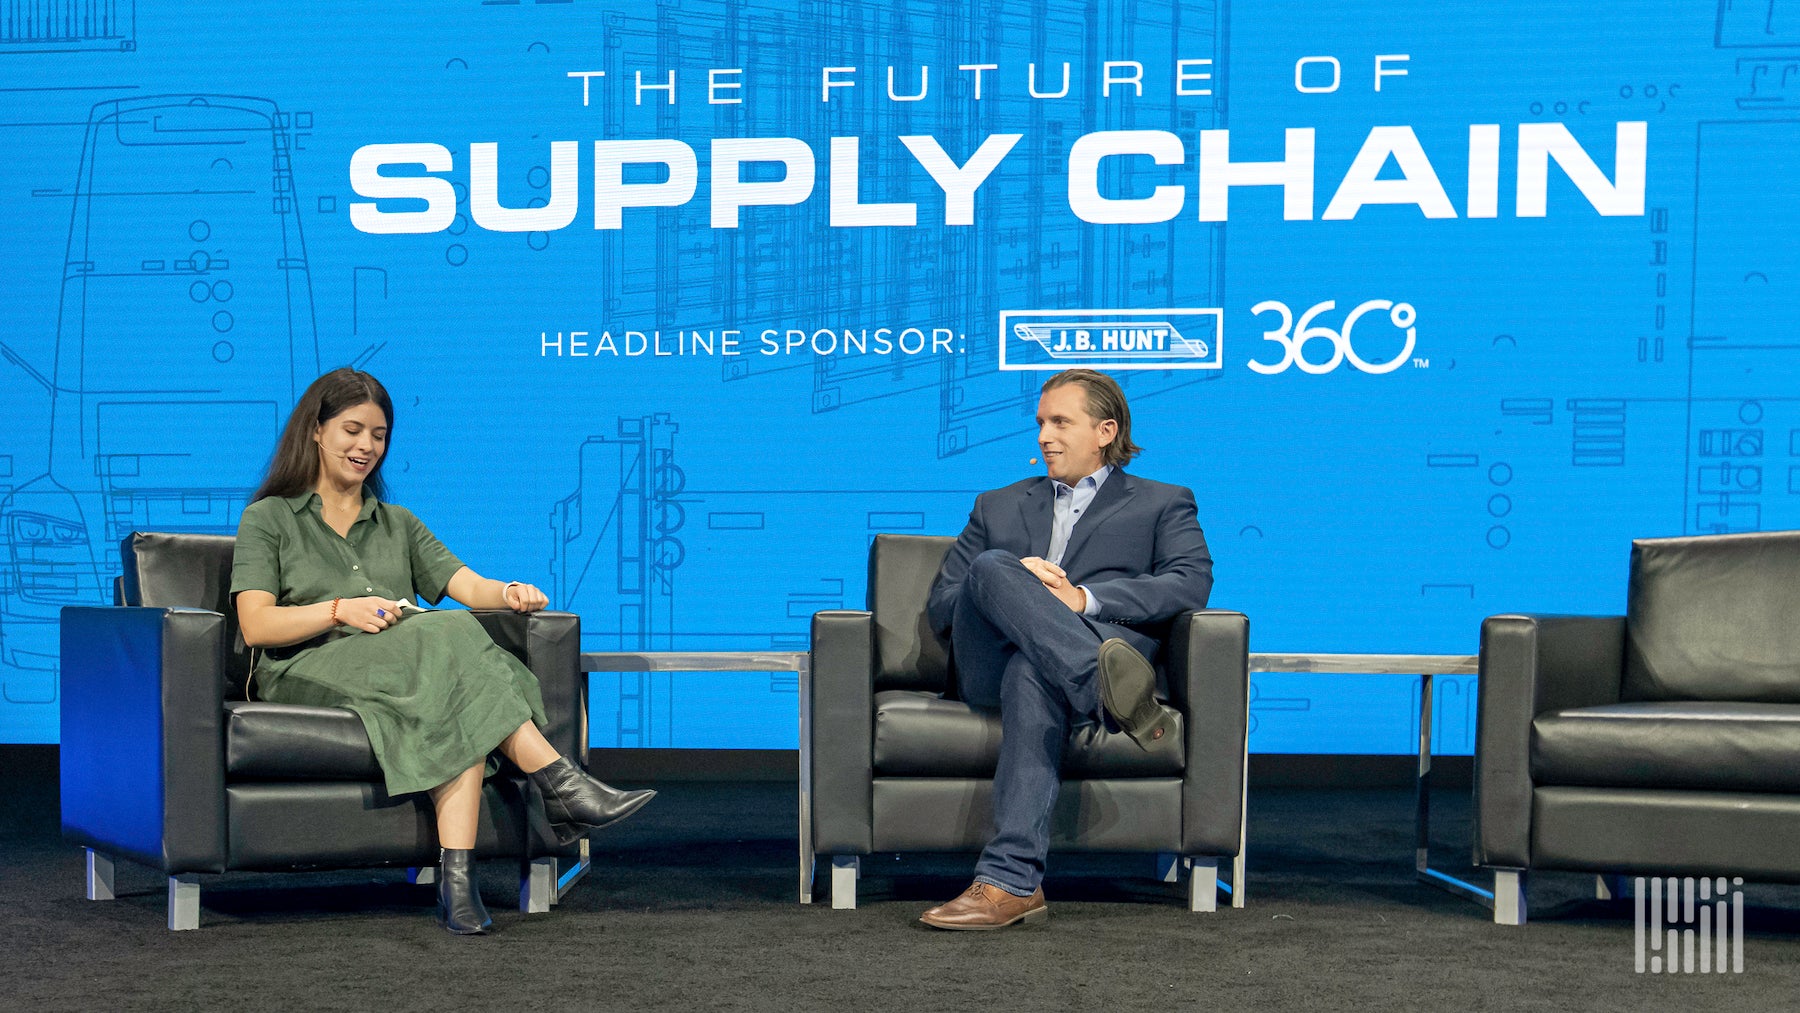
{"points": [[1709, 745], [288, 742], [921, 734]]}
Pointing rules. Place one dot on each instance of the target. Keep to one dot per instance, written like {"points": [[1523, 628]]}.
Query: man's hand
{"points": [[1057, 580]]}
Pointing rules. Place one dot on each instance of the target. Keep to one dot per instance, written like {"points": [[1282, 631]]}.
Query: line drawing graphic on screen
{"points": [[653, 562], [1600, 353], [192, 325], [67, 26], [1058, 261], [1756, 23], [1744, 407]]}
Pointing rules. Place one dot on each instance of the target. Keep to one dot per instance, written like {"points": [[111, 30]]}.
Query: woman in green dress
{"points": [[320, 570]]}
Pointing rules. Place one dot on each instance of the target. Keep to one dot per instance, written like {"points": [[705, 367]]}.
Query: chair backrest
{"points": [[1714, 617], [908, 655], [172, 570]]}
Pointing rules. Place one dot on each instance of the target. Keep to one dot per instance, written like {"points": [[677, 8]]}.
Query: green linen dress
{"points": [[434, 691]]}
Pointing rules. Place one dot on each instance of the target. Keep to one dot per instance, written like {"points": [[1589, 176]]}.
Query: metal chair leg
{"points": [[1203, 884], [1509, 897], [1203, 879], [575, 873], [184, 903], [537, 886], [543, 881], [99, 876], [845, 870], [1168, 867]]}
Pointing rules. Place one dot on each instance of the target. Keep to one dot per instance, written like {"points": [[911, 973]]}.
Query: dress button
{"points": [[368, 589], [355, 567]]}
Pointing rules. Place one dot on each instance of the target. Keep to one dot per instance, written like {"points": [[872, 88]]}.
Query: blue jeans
{"points": [[1020, 649]]}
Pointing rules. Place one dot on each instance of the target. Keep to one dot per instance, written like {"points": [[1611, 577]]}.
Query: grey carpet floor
{"points": [[692, 905]]}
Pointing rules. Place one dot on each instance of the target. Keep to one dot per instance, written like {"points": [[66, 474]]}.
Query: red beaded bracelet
{"points": [[334, 605]]}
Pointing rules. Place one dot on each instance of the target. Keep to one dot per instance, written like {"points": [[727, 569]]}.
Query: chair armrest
{"points": [[549, 643], [1531, 664], [1209, 682], [842, 732], [143, 735]]}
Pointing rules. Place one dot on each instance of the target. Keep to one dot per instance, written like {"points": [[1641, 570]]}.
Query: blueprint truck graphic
{"points": [[184, 332]]}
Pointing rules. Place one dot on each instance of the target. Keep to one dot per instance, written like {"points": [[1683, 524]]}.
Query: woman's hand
{"points": [[524, 598], [370, 615], [478, 592]]}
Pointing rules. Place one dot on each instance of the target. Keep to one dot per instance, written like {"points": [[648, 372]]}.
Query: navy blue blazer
{"points": [[1138, 549]]}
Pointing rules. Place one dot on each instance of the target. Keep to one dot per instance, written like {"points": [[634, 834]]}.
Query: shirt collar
{"points": [[304, 501], [1098, 478]]}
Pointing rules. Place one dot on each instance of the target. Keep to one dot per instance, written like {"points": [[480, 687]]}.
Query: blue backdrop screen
{"points": [[1435, 306]]}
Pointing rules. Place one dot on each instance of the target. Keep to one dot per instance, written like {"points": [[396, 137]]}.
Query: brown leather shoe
{"points": [[982, 907]]}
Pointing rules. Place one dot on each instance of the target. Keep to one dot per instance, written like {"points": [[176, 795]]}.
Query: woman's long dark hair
{"points": [[294, 467]]}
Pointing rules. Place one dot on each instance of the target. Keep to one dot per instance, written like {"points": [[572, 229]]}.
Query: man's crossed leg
{"points": [[1018, 647]]}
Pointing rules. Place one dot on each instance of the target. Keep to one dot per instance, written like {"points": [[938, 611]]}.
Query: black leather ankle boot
{"points": [[576, 803], [459, 903]]}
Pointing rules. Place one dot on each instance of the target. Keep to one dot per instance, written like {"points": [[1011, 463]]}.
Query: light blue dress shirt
{"points": [[1071, 502]]}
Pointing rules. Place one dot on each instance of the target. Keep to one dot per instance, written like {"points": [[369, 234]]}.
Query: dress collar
{"points": [[306, 500]]}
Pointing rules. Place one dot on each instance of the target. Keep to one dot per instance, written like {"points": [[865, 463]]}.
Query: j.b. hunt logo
{"points": [[1112, 339]]}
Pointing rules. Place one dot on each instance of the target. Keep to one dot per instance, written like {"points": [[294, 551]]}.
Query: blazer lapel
{"points": [[1111, 497], [1035, 510]]}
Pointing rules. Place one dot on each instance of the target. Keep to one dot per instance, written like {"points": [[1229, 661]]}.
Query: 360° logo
{"points": [[1402, 315]]}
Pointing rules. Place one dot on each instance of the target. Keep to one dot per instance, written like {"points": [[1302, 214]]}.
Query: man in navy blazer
{"points": [[1055, 600]]}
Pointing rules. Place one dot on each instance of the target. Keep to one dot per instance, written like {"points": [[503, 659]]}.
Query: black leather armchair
{"points": [[896, 766], [1660, 742], [165, 763]]}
